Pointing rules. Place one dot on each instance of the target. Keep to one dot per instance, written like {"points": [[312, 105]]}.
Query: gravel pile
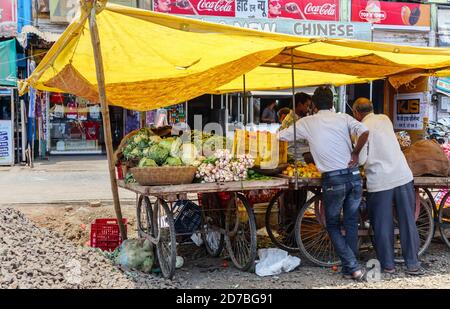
{"points": [[34, 257]]}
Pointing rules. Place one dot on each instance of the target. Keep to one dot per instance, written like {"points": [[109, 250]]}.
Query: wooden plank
{"points": [[234, 186], [425, 182], [95, 40]]}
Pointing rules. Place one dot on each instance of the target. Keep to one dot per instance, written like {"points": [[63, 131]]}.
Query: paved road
{"points": [[61, 179]]}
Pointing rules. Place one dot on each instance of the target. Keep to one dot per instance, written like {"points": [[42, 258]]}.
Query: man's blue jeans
{"points": [[343, 192]]}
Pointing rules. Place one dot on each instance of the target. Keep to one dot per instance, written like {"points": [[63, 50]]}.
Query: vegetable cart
{"points": [[227, 219], [303, 230]]}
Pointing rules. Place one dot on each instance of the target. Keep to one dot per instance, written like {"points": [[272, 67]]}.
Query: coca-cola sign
{"points": [[305, 9], [196, 7]]}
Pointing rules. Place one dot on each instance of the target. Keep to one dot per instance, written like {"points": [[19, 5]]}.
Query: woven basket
{"points": [[164, 175]]}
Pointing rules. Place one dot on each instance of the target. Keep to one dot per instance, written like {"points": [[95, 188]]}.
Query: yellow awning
{"points": [[264, 78], [153, 60]]}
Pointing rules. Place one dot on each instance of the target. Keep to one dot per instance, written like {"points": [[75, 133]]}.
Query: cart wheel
{"points": [[213, 221], [144, 215], [425, 228], [312, 236], [240, 237], [444, 220], [164, 228], [282, 232]]}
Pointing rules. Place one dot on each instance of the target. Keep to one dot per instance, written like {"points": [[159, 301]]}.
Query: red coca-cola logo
{"points": [[326, 9], [215, 6]]}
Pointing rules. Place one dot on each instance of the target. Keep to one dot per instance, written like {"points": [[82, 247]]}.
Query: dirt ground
{"points": [[201, 271]]}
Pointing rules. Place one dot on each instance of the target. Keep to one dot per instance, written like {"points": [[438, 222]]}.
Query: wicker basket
{"points": [[164, 175]]}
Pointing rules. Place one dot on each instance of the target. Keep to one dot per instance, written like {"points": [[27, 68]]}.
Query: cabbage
{"points": [[155, 139], [146, 162], [189, 153], [158, 153], [173, 161]]}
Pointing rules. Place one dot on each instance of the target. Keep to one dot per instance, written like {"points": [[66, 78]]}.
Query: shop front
{"points": [[75, 125]]}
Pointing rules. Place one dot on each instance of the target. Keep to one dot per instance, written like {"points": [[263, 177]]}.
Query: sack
{"points": [[136, 254], [427, 158]]}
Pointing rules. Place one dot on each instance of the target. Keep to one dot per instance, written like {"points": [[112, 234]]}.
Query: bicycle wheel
{"points": [[144, 217], [282, 231], [444, 220], [240, 229], [311, 234], [213, 221], [164, 228]]}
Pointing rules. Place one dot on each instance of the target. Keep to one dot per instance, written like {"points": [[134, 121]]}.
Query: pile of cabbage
{"points": [[223, 166], [151, 151]]}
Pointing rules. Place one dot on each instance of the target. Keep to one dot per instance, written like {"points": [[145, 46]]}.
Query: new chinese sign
{"points": [[296, 9], [333, 29], [391, 13], [8, 18], [305, 9], [409, 111]]}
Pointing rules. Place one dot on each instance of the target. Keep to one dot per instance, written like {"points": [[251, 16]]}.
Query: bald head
{"points": [[361, 108]]}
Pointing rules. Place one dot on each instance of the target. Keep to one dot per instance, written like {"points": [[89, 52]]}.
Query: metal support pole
{"points": [[212, 102], [371, 91], [95, 39], [244, 102], [293, 113]]}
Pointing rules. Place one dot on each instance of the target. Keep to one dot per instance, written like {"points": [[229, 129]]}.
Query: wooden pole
{"points": [[105, 113]]}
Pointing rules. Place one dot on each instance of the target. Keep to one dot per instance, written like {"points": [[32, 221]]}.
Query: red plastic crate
{"points": [[105, 234]]}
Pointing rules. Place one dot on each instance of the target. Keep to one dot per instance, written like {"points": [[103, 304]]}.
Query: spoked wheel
{"points": [[144, 215], [213, 222], [240, 229], [444, 220], [164, 228], [425, 228], [282, 230], [312, 236]]}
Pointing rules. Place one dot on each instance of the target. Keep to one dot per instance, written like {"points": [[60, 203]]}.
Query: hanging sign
{"points": [[6, 151], [409, 111]]}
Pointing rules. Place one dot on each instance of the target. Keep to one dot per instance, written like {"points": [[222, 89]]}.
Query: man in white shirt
{"points": [[329, 138], [389, 180]]}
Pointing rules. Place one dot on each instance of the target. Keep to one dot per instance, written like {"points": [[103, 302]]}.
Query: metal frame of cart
{"points": [[306, 232], [234, 222]]}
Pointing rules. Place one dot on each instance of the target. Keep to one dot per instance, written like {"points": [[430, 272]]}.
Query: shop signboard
{"points": [[6, 152], [295, 9], [409, 111], [412, 16], [63, 11], [251, 8], [8, 18], [196, 7], [443, 85], [444, 27], [304, 9], [357, 31]]}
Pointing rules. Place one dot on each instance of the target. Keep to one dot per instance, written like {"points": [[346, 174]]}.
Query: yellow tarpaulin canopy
{"points": [[153, 60], [264, 78]]}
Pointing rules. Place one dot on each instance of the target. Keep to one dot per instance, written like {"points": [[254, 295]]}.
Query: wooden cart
{"points": [[302, 229], [227, 218]]}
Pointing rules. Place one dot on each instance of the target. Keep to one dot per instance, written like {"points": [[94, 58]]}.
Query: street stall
{"points": [[99, 57]]}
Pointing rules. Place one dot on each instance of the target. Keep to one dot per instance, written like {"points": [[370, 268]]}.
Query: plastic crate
{"points": [[187, 217], [105, 234]]}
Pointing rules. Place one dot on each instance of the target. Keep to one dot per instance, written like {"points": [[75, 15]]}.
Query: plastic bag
{"points": [[275, 261], [136, 254]]}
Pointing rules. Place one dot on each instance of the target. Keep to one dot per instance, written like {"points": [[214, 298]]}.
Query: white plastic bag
{"points": [[275, 261]]}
